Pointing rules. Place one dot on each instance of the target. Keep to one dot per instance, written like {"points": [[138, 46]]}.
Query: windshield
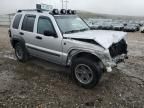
{"points": [[71, 24]]}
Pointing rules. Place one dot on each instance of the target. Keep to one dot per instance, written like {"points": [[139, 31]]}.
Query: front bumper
{"points": [[115, 61], [119, 59]]}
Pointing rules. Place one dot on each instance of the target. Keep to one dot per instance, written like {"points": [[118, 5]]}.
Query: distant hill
{"points": [[85, 14]]}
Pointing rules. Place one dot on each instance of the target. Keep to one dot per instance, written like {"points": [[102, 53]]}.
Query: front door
{"points": [[47, 47]]}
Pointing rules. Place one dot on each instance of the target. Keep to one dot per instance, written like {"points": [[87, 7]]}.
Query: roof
{"points": [[52, 12]]}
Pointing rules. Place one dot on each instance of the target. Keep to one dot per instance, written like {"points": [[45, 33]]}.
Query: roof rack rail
{"points": [[38, 10]]}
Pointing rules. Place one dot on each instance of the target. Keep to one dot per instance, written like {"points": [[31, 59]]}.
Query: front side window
{"points": [[17, 21], [28, 23], [44, 24]]}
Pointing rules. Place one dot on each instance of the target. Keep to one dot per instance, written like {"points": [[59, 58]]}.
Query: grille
{"points": [[118, 48]]}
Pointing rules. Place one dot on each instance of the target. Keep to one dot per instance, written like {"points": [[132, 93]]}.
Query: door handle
{"points": [[21, 33], [38, 37]]}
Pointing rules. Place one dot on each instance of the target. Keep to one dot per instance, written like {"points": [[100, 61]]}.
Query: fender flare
{"points": [[75, 52]]}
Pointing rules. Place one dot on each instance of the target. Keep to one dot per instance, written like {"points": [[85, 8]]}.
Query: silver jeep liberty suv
{"points": [[62, 37]]}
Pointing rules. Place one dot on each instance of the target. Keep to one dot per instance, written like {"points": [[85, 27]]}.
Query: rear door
{"points": [[28, 34], [27, 30]]}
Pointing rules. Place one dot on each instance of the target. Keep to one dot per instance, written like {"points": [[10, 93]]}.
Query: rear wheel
{"points": [[86, 72], [21, 52]]}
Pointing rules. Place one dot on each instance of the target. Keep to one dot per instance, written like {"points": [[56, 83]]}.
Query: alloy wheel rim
{"points": [[84, 73]]}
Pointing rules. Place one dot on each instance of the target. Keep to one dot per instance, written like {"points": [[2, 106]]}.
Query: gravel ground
{"points": [[39, 84]]}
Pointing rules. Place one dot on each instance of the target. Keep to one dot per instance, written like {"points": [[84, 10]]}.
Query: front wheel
{"points": [[86, 72]]}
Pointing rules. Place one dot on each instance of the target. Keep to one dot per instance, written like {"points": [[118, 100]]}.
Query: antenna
{"points": [[62, 4], [66, 1]]}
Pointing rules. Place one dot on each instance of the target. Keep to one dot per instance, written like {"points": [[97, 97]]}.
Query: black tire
{"points": [[23, 57], [96, 71]]}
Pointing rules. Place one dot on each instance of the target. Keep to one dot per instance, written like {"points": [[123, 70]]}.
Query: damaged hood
{"points": [[104, 38]]}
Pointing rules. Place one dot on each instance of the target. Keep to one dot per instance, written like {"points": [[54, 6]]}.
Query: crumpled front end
{"points": [[117, 54], [118, 48]]}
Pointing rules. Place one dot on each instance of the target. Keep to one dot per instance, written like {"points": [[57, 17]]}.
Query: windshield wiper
{"points": [[72, 31], [85, 29]]}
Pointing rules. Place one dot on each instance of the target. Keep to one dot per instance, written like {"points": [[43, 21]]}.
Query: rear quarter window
{"points": [[17, 21], [28, 23]]}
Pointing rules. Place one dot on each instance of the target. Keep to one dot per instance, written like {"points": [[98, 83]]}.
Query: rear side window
{"points": [[28, 23], [17, 21]]}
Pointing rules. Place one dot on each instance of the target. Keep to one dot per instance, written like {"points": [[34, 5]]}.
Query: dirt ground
{"points": [[38, 84]]}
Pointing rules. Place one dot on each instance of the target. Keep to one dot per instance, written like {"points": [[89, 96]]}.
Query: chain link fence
{"points": [[5, 20]]}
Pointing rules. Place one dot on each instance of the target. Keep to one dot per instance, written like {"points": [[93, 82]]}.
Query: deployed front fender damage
{"points": [[103, 57]]}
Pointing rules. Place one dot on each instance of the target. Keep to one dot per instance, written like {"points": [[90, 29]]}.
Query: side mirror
{"points": [[49, 33]]}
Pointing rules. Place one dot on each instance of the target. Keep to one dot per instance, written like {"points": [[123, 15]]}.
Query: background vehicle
{"points": [[96, 27], [118, 27], [64, 38], [142, 29], [130, 28]]}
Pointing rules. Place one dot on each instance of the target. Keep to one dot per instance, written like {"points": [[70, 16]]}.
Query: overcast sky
{"points": [[117, 7]]}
